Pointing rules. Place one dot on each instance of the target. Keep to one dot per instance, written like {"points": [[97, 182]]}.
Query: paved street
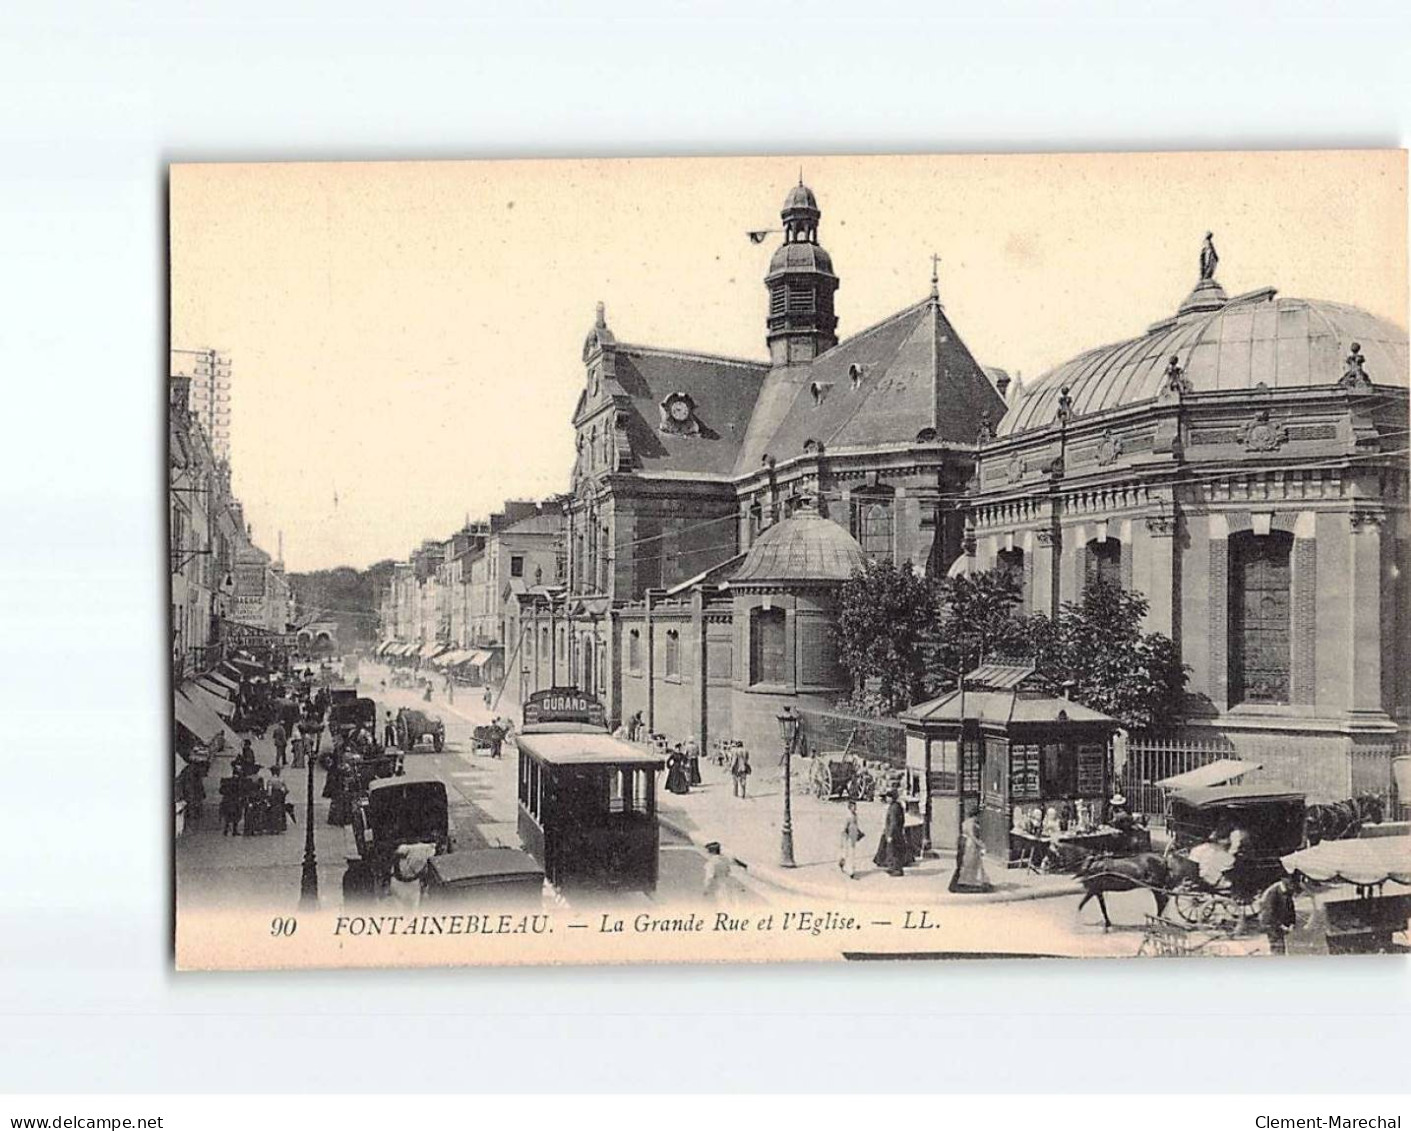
{"points": [[1032, 914], [220, 871]]}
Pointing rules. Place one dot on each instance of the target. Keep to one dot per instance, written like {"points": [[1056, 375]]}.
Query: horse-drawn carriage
{"points": [[413, 727], [1228, 842], [1225, 850]]}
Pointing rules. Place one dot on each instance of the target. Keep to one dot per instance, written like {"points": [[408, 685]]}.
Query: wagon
{"points": [[415, 726]]}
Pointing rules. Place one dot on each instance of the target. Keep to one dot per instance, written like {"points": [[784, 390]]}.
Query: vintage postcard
{"points": [[779, 559]]}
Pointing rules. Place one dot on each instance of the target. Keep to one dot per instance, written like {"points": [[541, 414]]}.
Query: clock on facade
{"points": [[678, 414]]}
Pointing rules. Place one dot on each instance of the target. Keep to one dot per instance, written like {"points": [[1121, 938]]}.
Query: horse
{"points": [[1159, 874], [1343, 820]]}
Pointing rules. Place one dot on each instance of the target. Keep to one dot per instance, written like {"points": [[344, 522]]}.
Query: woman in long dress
{"points": [[970, 874], [677, 780], [893, 852]]}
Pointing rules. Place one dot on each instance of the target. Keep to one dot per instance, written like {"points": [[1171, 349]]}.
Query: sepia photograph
{"points": [[775, 559]]}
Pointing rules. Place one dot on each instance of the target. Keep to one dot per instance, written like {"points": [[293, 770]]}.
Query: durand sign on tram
{"points": [[564, 705]]}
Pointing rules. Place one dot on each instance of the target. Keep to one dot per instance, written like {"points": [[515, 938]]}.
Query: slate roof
{"points": [[1282, 342], [723, 389], [913, 373], [806, 547], [546, 523]]}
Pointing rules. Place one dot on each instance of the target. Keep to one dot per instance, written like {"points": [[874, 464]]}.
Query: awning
{"points": [[215, 689], [1220, 772], [225, 681], [1370, 861], [218, 705], [199, 718], [477, 659]]}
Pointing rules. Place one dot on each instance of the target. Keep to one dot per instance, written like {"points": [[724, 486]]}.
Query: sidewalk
{"points": [[223, 871], [749, 831]]}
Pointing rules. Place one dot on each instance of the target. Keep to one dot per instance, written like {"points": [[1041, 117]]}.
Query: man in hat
{"points": [[740, 770], [1120, 818], [389, 732], [1277, 913]]}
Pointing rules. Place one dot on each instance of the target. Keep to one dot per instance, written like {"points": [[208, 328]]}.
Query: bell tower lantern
{"points": [[801, 283]]}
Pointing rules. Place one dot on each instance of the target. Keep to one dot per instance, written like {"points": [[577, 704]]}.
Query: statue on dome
{"points": [[1355, 376], [1209, 258]]}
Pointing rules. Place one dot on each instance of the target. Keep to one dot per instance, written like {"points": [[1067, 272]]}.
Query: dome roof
{"points": [[804, 548], [1253, 339], [800, 256], [800, 197]]}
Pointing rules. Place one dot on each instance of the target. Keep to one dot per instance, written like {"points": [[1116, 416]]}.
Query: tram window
{"points": [[641, 795], [617, 796]]}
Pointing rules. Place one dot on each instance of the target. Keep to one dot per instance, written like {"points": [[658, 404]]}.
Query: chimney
{"points": [[1002, 383]]}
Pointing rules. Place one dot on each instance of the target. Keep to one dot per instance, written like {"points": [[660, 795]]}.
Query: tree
{"points": [[976, 622], [1097, 648], [887, 612]]}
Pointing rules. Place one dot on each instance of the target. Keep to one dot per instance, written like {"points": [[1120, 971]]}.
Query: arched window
{"points": [[767, 652], [1259, 594], [1104, 562], [756, 520], [872, 525], [1011, 563], [672, 665], [634, 650]]}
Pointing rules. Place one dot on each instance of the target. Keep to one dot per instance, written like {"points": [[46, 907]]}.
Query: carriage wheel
{"points": [[1194, 906]]}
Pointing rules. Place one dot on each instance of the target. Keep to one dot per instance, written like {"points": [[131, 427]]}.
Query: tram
{"points": [[587, 801]]}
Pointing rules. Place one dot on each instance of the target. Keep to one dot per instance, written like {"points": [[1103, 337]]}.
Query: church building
{"points": [[1242, 464]]}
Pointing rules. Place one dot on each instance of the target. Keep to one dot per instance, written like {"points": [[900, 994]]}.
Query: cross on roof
{"points": [[935, 276]]}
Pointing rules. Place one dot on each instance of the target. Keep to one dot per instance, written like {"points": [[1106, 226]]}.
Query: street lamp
{"points": [[788, 732], [308, 879]]}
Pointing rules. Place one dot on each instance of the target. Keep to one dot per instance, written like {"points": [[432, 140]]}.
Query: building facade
{"points": [[685, 461], [1243, 465]]}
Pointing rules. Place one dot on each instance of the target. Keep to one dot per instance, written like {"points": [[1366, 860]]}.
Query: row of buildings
{"points": [[1242, 462], [450, 600], [223, 586]]}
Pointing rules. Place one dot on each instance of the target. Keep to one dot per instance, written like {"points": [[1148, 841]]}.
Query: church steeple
{"points": [[801, 322]]}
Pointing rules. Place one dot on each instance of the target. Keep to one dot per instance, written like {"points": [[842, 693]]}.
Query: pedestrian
{"points": [[717, 887], [450, 690], [852, 833], [740, 770], [893, 853], [1277, 913], [296, 748], [677, 779], [389, 732], [497, 738], [281, 743], [692, 754], [488, 697], [277, 815], [970, 874]]}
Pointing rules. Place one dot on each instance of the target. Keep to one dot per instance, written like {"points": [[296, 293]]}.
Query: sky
{"points": [[405, 338]]}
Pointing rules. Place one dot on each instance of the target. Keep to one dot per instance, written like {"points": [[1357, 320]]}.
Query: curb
{"points": [[779, 879]]}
